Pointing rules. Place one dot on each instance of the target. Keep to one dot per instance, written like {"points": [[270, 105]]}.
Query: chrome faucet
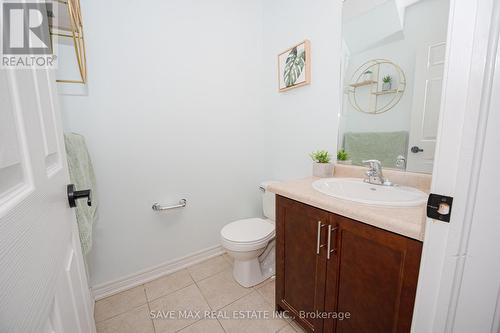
{"points": [[374, 173]]}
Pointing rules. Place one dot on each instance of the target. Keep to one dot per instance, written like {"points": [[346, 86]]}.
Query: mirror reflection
{"points": [[393, 55]]}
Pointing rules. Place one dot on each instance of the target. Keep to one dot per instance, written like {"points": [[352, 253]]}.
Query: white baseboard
{"points": [[113, 287]]}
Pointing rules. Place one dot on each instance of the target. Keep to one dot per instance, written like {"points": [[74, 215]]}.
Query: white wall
{"points": [[368, 29], [416, 35], [174, 110], [182, 102], [304, 119]]}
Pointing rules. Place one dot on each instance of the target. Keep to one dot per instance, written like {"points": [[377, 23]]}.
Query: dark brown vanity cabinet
{"points": [[328, 265], [301, 260]]}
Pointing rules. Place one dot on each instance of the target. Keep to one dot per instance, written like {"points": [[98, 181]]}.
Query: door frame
{"points": [[473, 31]]}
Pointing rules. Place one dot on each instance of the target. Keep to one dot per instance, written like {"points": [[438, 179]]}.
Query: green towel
{"points": [[81, 173], [382, 146]]}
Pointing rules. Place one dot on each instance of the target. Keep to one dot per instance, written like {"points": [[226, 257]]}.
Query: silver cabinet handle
{"points": [[318, 240], [157, 207], [330, 230]]}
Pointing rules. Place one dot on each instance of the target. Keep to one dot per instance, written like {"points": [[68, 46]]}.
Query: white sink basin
{"points": [[355, 189]]}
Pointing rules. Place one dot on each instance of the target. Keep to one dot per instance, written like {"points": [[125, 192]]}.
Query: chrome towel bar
{"points": [[157, 207]]}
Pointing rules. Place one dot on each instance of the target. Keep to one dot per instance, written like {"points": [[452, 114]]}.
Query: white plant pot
{"points": [[346, 162], [323, 170], [386, 86]]}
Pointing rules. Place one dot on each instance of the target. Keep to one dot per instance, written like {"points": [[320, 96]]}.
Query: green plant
{"points": [[294, 65], [387, 79], [368, 72], [320, 156], [342, 155]]}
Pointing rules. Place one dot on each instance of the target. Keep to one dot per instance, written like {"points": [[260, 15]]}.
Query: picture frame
{"points": [[294, 66]]}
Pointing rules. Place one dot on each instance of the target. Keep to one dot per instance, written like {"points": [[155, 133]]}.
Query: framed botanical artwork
{"points": [[294, 66]]}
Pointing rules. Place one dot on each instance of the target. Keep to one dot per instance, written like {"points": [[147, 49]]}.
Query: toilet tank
{"points": [[268, 201]]}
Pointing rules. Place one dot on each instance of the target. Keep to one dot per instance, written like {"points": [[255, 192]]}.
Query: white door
{"points": [[458, 287], [43, 285], [429, 67], [480, 282]]}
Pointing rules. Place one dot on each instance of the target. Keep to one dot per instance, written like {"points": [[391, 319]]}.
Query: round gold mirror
{"points": [[376, 86]]}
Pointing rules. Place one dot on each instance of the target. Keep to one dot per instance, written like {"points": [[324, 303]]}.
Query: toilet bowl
{"points": [[246, 240]]}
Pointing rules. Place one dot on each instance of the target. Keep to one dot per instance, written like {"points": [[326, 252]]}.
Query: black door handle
{"points": [[74, 195], [416, 149]]}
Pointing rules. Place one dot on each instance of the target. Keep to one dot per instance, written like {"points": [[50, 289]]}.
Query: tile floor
{"points": [[178, 303]]}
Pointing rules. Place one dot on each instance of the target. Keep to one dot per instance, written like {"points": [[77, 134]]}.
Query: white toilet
{"points": [[250, 242]]}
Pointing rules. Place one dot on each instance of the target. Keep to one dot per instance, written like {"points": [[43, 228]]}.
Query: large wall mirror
{"points": [[392, 71]]}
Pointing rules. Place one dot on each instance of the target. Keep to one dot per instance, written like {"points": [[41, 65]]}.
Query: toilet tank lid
{"points": [[266, 183]]}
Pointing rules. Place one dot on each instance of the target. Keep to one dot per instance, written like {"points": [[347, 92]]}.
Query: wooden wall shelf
{"points": [[386, 92], [367, 99], [363, 83]]}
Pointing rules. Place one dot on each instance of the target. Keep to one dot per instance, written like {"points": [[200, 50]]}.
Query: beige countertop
{"points": [[408, 222]]}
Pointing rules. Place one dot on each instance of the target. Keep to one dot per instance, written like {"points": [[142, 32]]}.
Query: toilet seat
{"points": [[247, 235]]}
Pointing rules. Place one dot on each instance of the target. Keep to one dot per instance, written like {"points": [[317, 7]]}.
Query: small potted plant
{"points": [[367, 75], [322, 167], [343, 157], [387, 83]]}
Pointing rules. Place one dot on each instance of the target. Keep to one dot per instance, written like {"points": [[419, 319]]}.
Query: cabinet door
{"points": [[301, 261], [332, 273], [377, 279]]}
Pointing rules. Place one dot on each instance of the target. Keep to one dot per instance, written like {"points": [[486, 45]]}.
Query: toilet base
{"points": [[252, 267], [248, 272]]}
